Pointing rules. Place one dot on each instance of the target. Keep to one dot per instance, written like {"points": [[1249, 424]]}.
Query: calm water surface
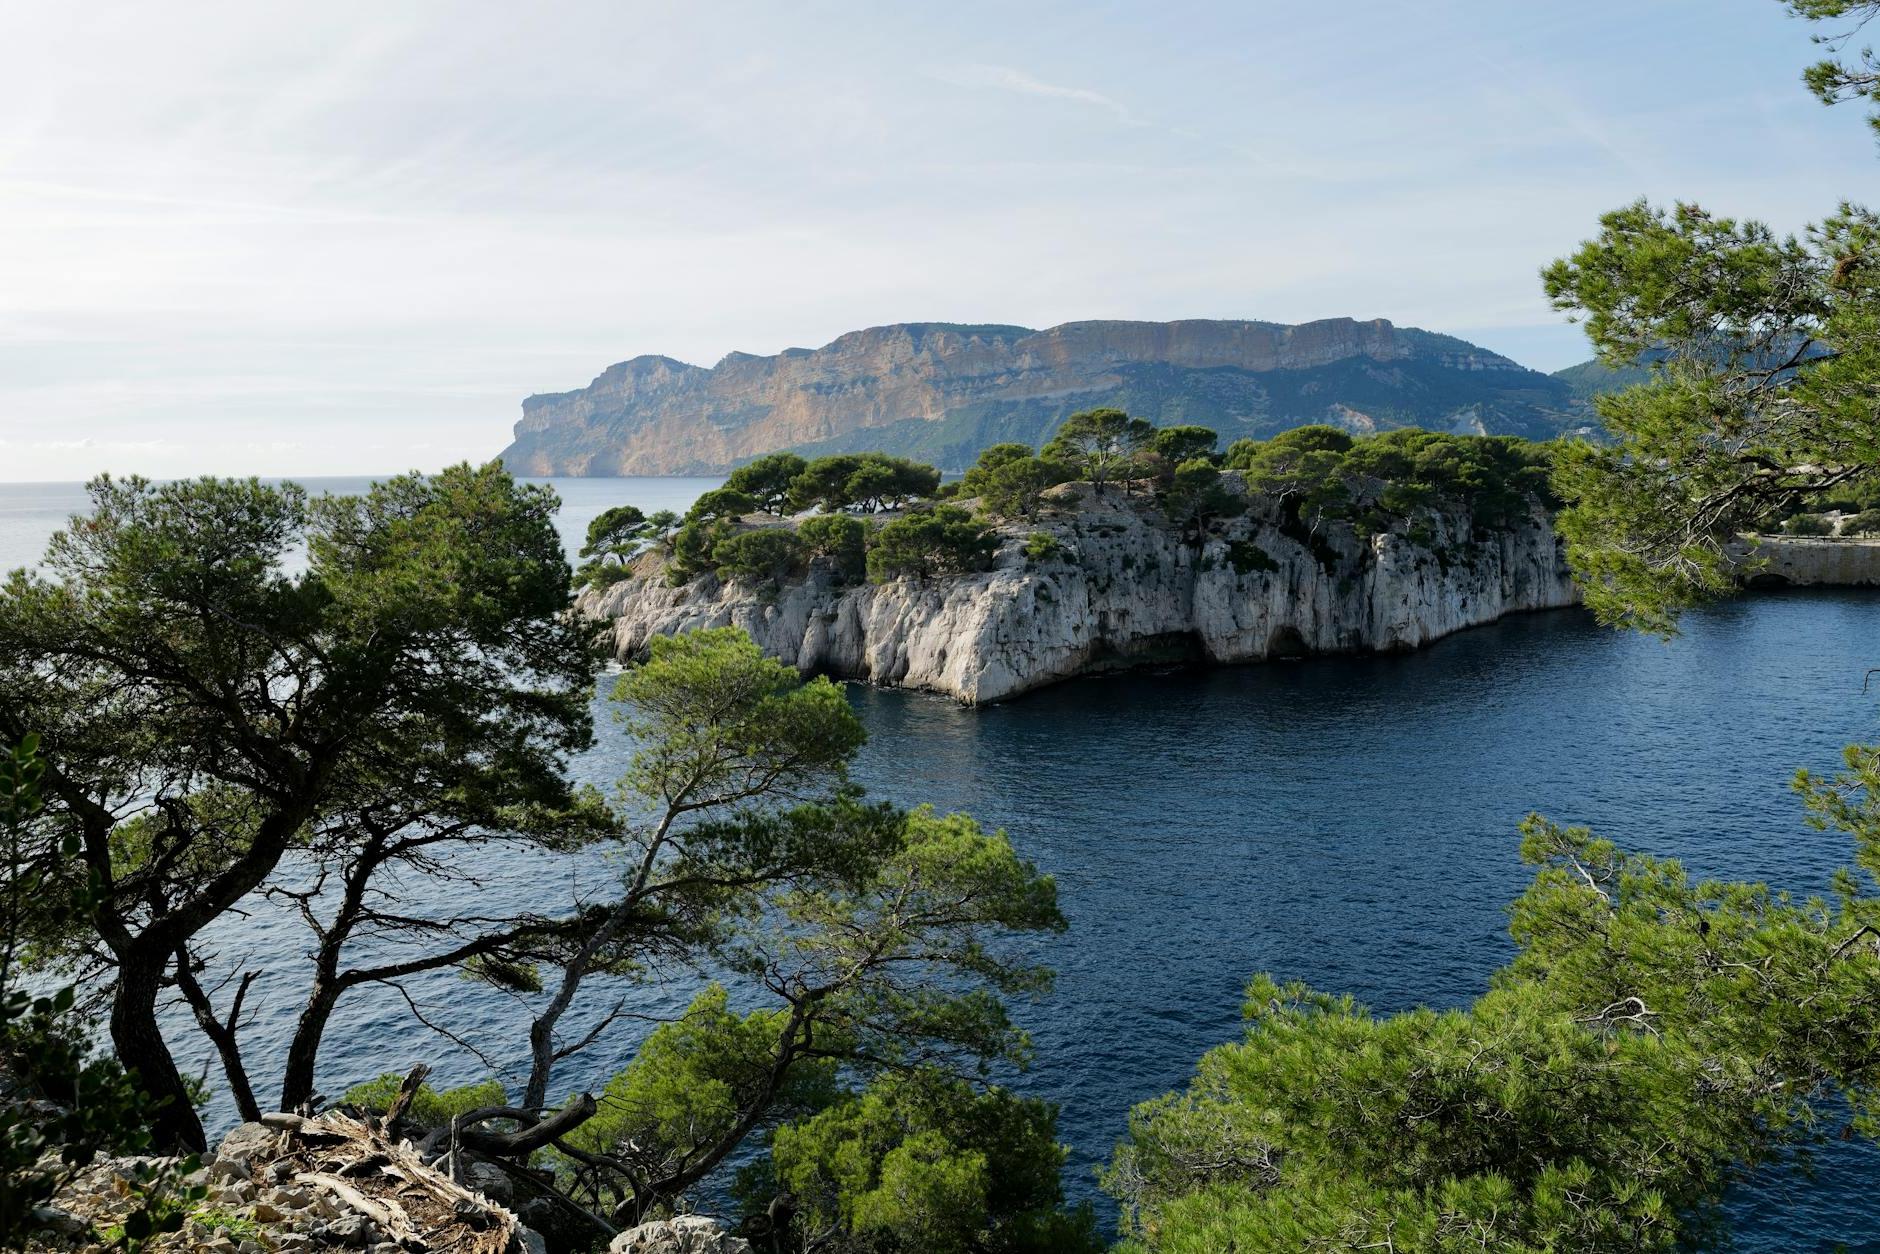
{"points": [[1344, 821]]}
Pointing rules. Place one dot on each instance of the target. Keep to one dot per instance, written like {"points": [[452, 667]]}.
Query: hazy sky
{"points": [[340, 238]]}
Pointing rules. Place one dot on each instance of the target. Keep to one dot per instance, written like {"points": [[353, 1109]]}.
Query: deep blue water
{"points": [[1344, 821]]}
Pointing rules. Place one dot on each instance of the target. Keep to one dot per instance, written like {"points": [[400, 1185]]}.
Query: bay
{"points": [[1345, 821]]}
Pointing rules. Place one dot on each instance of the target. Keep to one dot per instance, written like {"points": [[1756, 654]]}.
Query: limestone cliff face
{"points": [[942, 392], [1126, 589]]}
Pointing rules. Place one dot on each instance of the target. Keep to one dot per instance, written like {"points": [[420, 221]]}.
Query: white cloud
{"points": [[1005, 78], [345, 239]]}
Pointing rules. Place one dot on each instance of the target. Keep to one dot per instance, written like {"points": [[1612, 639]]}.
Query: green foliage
{"points": [[1320, 474], [840, 538], [1832, 81], [868, 482], [1102, 445], [1174, 446], [922, 1163], [767, 555], [429, 1107], [615, 533], [1654, 1038], [1766, 345], [1248, 558], [211, 1220], [718, 723], [1015, 488], [866, 929], [941, 540], [1808, 525], [767, 480], [990, 459], [1042, 546], [420, 664], [695, 1079], [1197, 499], [616, 536], [724, 504], [1865, 523], [87, 1104]]}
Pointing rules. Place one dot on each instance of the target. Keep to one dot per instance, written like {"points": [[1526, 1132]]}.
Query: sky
{"points": [[350, 238]]}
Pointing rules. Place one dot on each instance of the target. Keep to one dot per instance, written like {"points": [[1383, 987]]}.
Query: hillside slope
{"points": [[941, 392]]}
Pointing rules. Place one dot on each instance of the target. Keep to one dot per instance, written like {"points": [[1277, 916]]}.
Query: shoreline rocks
{"points": [[1124, 589]]}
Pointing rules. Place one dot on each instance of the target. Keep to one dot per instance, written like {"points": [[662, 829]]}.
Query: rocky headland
{"points": [[1120, 587]]}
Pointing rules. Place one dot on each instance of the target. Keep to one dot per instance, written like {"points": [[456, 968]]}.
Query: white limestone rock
{"points": [[1126, 589], [687, 1234]]}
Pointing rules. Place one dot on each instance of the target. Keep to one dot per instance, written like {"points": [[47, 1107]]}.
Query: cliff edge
{"points": [[1122, 587]]}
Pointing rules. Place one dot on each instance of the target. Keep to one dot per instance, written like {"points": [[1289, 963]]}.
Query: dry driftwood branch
{"points": [[407, 1091], [368, 1173]]}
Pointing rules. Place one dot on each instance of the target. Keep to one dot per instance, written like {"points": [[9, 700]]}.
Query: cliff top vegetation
{"points": [[880, 517]]}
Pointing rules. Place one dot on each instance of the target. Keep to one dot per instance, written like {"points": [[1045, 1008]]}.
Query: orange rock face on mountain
{"points": [[941, 392]]}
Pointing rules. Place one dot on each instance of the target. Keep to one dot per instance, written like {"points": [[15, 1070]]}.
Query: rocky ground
{"points": [[335, 1183]]}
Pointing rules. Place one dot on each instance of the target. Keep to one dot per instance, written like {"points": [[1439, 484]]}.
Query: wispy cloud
{"points": [[1005, 78]]}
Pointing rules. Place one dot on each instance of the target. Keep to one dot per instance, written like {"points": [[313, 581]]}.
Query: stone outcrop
{"points": [[1124, 589], [291, 1184], [941, 392], [687, 1234]]}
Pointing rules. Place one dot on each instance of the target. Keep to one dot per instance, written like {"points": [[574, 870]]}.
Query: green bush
{"points": [[693, 545], [923, 1163], [1808, 525], [1042, 546], [1015, 488], [943, 540], [1865, 523], [838, 537], [1246, 557], [768, 554], [430, 1107]]}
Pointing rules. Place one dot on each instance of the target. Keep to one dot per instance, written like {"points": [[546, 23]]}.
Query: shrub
{"points": [[842, 539], [944, 540], [1808, 525], [923, 1161], [429, 1107], [767, 555], [1014, 488], [1246, 557], [1196, 498], [1042, 546], [1865, 523]]}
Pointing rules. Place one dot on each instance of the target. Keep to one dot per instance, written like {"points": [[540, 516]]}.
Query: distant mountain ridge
{"points": [[943, 391]]}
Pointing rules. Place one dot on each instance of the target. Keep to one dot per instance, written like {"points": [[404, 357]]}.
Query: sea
{"points": [[1345, 821]]}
